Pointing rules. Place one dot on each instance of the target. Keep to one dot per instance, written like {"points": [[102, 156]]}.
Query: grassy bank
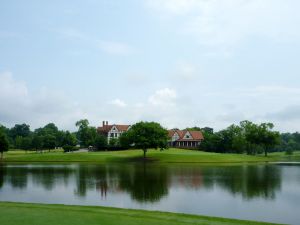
{"points": [[43, 214], [167, 156]]}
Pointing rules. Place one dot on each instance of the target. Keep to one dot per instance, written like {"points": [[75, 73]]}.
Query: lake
{"points": [[264, 192]]}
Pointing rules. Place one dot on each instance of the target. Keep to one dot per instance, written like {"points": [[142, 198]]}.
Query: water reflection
{"points": [[249, 181], [146, 182]]}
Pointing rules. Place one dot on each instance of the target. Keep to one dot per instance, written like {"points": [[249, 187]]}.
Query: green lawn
{"points": [[166, 156], [43, 214]]}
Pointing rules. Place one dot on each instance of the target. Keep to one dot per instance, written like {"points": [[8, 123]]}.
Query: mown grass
{"points": [[44, 214], [166, 156]]}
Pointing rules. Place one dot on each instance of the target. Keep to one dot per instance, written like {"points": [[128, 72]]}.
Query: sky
{"points": [[181, 63]]}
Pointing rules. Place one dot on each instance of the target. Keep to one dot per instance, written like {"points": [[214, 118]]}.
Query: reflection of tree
{"points": [[252, 181], [17, 176], [145, 183], [2, 175]]}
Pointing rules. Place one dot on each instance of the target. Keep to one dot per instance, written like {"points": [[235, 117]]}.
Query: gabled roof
{"points": [[196, 135], [107, 128]]}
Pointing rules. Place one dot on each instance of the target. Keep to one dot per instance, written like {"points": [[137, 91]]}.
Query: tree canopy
{"points": [[3, 143], [145, 135]]}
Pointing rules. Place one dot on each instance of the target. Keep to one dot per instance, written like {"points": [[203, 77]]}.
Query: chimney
{"points": [[106, 123], [103, 123]]}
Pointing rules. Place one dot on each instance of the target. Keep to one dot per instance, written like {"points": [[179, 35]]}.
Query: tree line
{"points": [[142, 135], [246, 137]]}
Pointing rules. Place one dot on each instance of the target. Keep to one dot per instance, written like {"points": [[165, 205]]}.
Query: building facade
{"points": [[112, 131], [185, 138]]}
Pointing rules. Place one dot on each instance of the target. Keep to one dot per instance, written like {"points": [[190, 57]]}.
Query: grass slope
{"points": [[167, 156], [43, 214]]}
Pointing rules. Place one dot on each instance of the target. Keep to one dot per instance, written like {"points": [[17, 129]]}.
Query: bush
{"points": [[68, 148]]}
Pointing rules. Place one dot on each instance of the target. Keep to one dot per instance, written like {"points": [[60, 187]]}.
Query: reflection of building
{"points": [[112, 131], [184, 138]]}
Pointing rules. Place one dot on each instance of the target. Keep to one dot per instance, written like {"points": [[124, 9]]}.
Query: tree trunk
{"points": [[145, 150], [266, 151]]}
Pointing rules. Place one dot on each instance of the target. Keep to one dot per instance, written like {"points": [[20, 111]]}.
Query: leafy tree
{"points": [[22, 130], [193, 128], [37, 142], [86, 134], [3, 143], [113, 142], [124, 141], [145, 135], [100, 142], [49, 142], [69, 139], [266, 137]]}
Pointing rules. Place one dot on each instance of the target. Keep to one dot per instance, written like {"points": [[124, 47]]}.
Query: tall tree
{"points": [[86, 134], [145, 135], [22, 130], [266, 137], [3, 143]]}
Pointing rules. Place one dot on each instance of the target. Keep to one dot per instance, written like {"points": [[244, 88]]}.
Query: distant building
{"points": [[185, 138], [112, 131]]}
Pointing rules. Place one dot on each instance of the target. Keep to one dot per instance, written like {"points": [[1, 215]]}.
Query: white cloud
{"points": [[118, 102], [19, 105], [163, 97], [227, 23]]}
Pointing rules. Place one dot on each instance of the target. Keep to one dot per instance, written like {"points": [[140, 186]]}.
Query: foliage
{"points": [[68, 148], [22, 130], [145, 135], [3, 143], [86, 134], [247, 137], [49, 142], [100, 142]]}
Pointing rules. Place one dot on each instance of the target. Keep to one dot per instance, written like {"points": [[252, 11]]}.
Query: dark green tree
{"points": [[3, 143], [37, 142], [49, 142], [145, 135], [100, 142], [86, 134], [22, 130]]}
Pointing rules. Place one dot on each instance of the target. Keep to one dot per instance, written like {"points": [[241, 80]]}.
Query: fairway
{"points": [[167, 156], [42, 214]]}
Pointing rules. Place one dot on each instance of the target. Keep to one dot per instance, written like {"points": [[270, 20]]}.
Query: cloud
{"points": [[227, 23], [290, 113], [19, 105], [118, 102], [186, 71], [115, 48], [107, 46], [163, 97]]}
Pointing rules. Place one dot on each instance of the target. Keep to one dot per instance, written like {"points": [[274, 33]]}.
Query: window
{"points": [[112, 135]]}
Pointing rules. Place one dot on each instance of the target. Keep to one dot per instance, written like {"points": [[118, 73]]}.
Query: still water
{"points": [[255, 192]]}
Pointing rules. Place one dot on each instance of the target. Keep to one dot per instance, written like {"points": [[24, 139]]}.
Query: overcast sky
{"points": [[178, 62]]}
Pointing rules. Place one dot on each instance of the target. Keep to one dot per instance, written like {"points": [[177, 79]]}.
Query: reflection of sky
{"points": [[182, 196]]}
